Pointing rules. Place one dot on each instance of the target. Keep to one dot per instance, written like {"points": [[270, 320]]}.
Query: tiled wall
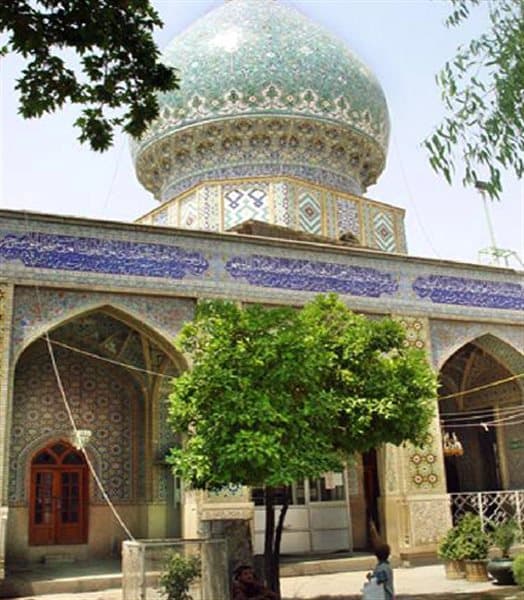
{"points": [[285, 202]]}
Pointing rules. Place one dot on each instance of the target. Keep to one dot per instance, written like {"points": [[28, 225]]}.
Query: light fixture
{"points": [[451, 445], [80, 438]]}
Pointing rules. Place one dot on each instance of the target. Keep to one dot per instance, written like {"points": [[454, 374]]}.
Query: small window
{"points": [[44, 458], [59, 449], [73, 458], [318, 492], [295, 493]]}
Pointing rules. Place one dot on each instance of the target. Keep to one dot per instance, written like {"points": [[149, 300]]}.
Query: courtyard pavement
{"points": [[413, 583]]}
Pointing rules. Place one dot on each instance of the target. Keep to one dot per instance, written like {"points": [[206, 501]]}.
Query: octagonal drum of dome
{"points": [[264, 91]]}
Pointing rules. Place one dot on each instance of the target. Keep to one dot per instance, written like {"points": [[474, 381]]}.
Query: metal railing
{"points": [[493, 508]]}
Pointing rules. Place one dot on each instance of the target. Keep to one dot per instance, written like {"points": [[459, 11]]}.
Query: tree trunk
{"points": [[268, 538], [272, 540], [278, 539]]}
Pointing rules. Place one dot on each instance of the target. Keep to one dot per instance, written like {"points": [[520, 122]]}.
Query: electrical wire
{"points": [[75, 429], [470, 415], [70, 413], [109, 360], [451, 420], [411, 197], [482, 387], [157, 374], [486, 425]]}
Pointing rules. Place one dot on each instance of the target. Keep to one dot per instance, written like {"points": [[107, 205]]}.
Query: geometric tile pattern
{"points": [[384, 231], [330, 212], [244, 202], [160, 217], [310, 213], [348, 217], [417, 332], [208, 208], [284, 204], [189, 212], [425, 462], [33, 314], [102, 399], [290, 203]]}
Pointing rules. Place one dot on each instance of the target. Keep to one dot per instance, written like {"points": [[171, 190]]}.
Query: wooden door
{"points": [[58, 501]]}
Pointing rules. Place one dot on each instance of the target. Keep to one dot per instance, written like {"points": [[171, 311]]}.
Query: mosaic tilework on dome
{"points": [[174, 173], [262, 61], [258, 56]]}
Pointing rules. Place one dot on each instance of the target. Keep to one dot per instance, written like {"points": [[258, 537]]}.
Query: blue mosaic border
{"points": [[94, 255], [305, 275], [462, 291]]}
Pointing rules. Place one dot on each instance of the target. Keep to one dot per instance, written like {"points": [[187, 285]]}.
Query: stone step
{"points": [[58, 559], [297, 567]]}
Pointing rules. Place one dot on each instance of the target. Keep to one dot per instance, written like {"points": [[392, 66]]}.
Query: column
{"points": [[6, 301], [415, 504]]}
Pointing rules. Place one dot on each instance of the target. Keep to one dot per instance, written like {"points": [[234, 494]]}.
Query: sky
{"points": [[44, 168]]}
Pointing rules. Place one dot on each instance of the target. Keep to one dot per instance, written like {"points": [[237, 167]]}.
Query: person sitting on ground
{"points": [[246, 587], [383, 573]]}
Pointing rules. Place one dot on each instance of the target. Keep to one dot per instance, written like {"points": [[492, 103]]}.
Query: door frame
{"points": [[57, 468]]}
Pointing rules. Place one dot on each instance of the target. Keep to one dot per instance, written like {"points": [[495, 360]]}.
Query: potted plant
{"points": [[449, 551], [473, 546], [518, 569], [503, 537]]}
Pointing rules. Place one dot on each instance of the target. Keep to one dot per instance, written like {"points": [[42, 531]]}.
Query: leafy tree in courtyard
{"points": [[276, 395], [120, 68], [483, 92]]}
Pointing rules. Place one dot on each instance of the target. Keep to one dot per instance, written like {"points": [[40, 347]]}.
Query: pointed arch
{"points": [[500, 350], [481, 375], [138, 322], [497, 342], [23, 459]]}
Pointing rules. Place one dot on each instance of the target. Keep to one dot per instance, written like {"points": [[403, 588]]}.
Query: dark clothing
{"points": [[251, 591]]}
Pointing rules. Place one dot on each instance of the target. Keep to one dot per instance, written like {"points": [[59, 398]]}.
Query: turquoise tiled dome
{"points": [[261, 58]]}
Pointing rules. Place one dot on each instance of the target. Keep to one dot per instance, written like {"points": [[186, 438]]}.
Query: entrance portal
{"points": [[59, 496]]}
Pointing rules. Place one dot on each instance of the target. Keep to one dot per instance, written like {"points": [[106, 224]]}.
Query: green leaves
{"points": [[178, 574], [483, 93], [279, 394], [117, 75]]}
